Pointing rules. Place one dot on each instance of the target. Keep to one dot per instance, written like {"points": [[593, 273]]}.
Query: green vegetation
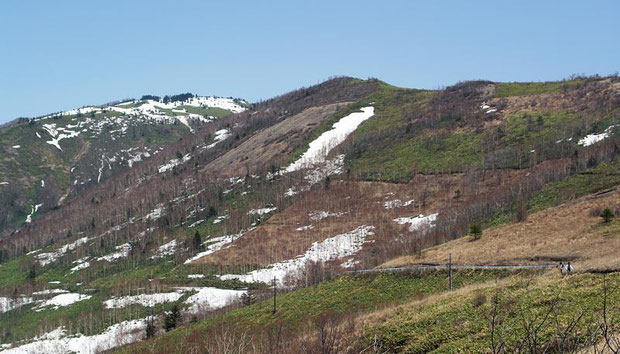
{"points": [[508, 89], [347, 294], [208, 111], [607, 215], [476, 231], [599, 178], [461, 322]]}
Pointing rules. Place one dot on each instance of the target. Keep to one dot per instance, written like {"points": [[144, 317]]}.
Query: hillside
{"points": [[414, 311], [49, 158], [348, 174]]}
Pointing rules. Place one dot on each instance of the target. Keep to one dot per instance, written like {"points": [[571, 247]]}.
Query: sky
{"points": [[62, 54]]}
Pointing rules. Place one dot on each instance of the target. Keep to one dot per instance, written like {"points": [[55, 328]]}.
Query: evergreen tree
{"points": [[476, 231], [171, 320], [197, 240]]}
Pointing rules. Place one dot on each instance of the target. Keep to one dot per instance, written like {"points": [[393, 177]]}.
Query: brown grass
{"points": [[274, 143], [567, 232]]}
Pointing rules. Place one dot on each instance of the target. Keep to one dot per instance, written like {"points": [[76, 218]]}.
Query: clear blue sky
{"points": [[57, 55]]}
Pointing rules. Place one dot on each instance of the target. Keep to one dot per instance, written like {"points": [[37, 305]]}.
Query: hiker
{"points": [[562, 268], [569, 268]]}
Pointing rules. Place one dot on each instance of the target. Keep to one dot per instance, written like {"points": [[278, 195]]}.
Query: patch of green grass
{"points": [[460, 323], [507, 89], [425, 153], [14, 272], [210, 111]]}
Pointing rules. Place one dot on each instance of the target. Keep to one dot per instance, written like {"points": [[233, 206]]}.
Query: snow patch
{"points": [[147, 300], [212, 298], [333, 248], [261, 211], [417, 222], [320, 147], [397, 203], [165, 250], [8, 304], [214, 245], [81, 264], [173, 163], [320, 215], [119, 334], [305, 228], [57, 136], [49, 257], [122, 252], [220, 135], [595, 138], [221, 218], [32, 211], [62, 300]]}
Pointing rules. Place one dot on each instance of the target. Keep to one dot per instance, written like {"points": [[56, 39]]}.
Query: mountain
{"points": [[49, 158], [346, 175]]}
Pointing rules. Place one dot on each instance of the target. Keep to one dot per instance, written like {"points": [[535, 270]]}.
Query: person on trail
{"points": [[569, 268], [562, 268]]}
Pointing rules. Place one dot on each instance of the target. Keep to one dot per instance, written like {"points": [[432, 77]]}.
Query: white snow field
{"points": [[417, 222], [62, 300], [119, 334], [220, 135], [165, 250], [148, 300], [333, 248], [211, 298], [595, 138], [321, 146]]}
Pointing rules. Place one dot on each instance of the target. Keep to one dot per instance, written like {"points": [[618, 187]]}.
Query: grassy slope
{"points": [[508, 89], [460, 322], [349, 294], [390, 147]]}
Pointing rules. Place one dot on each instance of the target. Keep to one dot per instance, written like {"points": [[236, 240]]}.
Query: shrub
{"points": [[172, 318], [607, 215], [476, 231]]}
